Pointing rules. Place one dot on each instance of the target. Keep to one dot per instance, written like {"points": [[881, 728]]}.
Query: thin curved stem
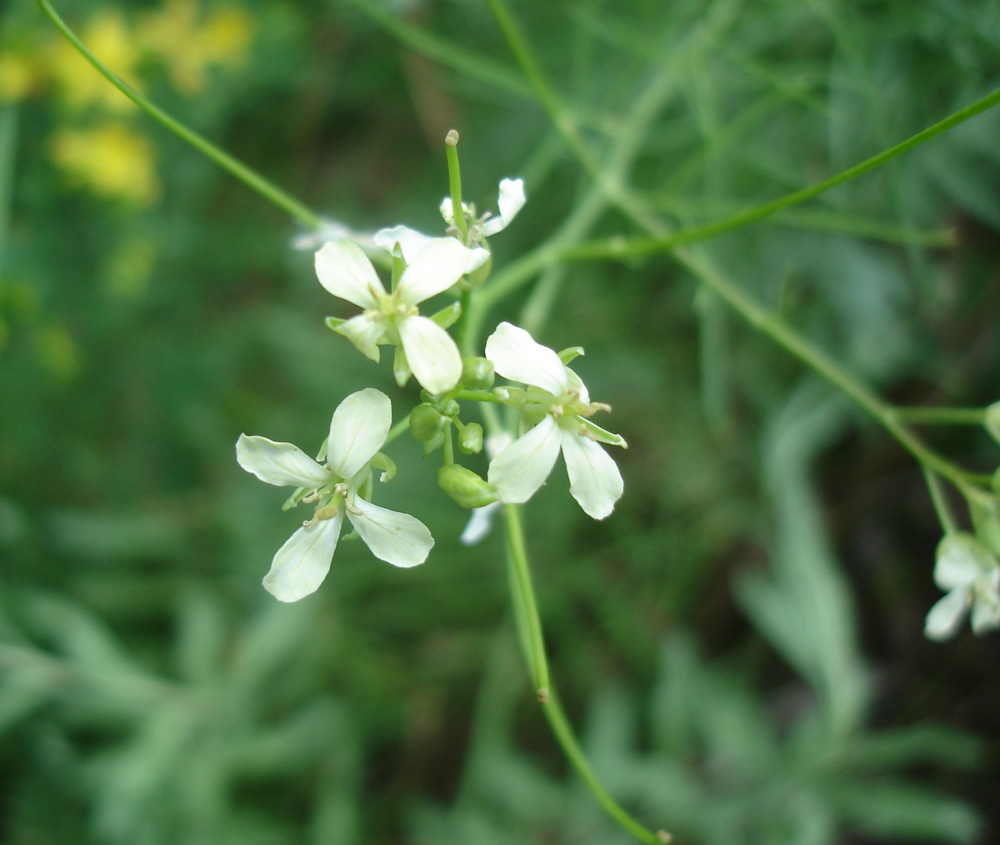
{"points": [[941, 416], [530, 629], [246, 175], [617, 247], [535, 644]]}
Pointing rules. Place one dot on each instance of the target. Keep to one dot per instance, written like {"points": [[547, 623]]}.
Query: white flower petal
{"points": [[431, 353], [945, 617], [280, 464], [961, 559], [446, 208], [301, 564], [357, 431], [479, 524], [520, 469], [510, 202], [594, 479], [410, 241], [441, 263], [985, 614], [516, 356], [364, 333], [345, 271], [396, 538]]}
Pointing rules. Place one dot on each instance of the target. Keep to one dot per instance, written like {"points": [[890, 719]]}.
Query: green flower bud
{"points": [[470, 439], [465, 487], [477, 373], [426, 422]]}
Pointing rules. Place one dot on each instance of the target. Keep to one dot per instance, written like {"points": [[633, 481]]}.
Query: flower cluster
{"points": [[548, 406]]}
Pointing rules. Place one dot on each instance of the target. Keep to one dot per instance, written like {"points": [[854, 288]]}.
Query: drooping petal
{"points": [[357, 431], [345, 271], [300, 565], [396, 538], [410, 241], [510, 202], [280, 464], [479, 524], [945, 617], [516, 356], [441, 263], [985, 614], [520, 469], [364, 333], [961, 559], [431, 354], [594, 479]]}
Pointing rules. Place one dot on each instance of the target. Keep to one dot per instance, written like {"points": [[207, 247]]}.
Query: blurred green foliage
{"points": [[740, 642]]}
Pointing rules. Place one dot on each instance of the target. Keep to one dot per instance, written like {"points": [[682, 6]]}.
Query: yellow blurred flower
{"points": [[80, 85], [19, 77], [110, 159], [189, 42]]}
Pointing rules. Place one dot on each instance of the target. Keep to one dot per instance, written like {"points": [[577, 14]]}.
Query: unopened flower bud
{"points": [[470, 439], [426, 422], [477, 373], [465, 487]]}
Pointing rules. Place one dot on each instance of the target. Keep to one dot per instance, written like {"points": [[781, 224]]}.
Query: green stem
{"points": [[530, 629], [564, 733], [525, 596], [617, 247], [940, 504], [788, 339], [941, 416], [455, 184], [397, 429], [248, 177]]}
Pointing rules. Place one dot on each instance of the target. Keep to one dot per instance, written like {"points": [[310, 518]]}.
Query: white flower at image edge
{"points": [[970, 574], [345, 271], [357, 431], [558, 393]]}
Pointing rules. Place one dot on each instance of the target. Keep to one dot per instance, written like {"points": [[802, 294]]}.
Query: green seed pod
{"points": [[477, 373], [426, 422], [470, 439], [465, 487]]}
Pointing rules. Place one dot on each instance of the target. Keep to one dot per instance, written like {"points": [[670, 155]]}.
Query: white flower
{"points": [[510, 201], [560, 403], [345, 271], [357, 431], [411, 242], [971, 575]]}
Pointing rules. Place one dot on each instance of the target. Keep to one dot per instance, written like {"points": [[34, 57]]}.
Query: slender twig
{"points": [[248, 177]]}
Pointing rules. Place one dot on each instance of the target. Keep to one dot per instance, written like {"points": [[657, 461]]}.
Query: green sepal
{"points": [[386, 464], [465, 487], [334, 323], [447, 317], [436, 442], [401, 368], [295, 498], [603, 435], [516, 397], [569, 353]]}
